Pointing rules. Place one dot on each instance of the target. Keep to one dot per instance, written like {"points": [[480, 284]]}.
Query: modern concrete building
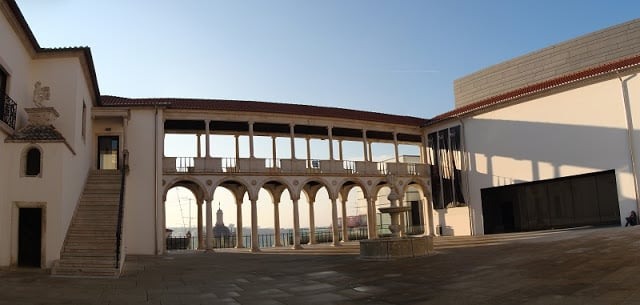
{"points": [[542, 141]]}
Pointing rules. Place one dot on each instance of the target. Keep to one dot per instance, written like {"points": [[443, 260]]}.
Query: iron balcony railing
{"points": [[8, 110]]}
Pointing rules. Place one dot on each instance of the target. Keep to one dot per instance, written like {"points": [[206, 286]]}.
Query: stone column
{"points": [[395, 146], [371, 218], [308, 153], [364, 145], [255, 247], [330, 134], [199, 147], [200, 236], [432, 231], [312, 223], [276, 223], [207, 149], [273, 150], [209, 233], [345, 230], [296, 225], [237, 149], [334, 223], [370, 152], [340, 150], [251, 152], [239, 237], [293, 142]]}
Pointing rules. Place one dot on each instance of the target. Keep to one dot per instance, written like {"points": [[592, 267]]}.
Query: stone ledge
{"points": [[393, 248]]}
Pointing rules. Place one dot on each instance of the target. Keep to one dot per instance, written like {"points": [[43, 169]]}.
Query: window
{"points": [[4, 76], [32, 162], [84, 121], [445, 158]]}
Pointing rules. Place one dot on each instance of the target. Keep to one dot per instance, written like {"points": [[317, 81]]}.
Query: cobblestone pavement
{"points": [[580, 266]]}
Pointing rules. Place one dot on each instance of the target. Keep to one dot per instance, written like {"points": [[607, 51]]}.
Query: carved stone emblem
{"points": [[40, 94]]}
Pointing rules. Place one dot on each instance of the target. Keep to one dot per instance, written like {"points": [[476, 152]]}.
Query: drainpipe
{"points": [[463, 165], [631, 146]]}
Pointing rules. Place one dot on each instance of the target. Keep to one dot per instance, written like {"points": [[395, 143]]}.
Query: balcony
{"points": [[261, 166], [8, 110]]}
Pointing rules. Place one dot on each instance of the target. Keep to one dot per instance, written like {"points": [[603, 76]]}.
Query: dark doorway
{"points": [[416, 218], [108, 152], [29, 237], [590, 199]]}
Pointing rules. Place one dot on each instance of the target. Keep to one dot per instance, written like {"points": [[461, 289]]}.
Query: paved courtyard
{"points": [[581, 266]]}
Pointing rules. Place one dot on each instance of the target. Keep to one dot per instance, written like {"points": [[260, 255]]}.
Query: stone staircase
{"points": [[90, 246]]}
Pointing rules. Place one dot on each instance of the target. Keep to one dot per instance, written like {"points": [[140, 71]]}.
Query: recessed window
{"points": [[32, 162], [84, 120], [4, 76]]}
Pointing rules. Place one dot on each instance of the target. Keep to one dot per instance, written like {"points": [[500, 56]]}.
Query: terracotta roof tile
{"points": [[264, 107], [36, 133]]}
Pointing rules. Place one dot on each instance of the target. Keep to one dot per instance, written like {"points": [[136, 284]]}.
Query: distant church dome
{"points": [[220, 230]]}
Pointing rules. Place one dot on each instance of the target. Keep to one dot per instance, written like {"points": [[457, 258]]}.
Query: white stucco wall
{"points": [[573, 132], [140, 206]]}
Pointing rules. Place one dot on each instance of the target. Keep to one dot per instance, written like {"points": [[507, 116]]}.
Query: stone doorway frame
{"points": [[15, 218]]}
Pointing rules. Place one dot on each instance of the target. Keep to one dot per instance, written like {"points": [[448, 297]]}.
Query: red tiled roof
{"points": [[264, 107], [539, 87]]}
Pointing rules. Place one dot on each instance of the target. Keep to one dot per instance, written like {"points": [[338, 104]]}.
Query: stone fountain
{"points": [[398, 245]]}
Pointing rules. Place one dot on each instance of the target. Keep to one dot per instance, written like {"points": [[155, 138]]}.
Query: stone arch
{"points": [[350, 183], [318, 182], [283, 182], [196, 186], [229, 183]]}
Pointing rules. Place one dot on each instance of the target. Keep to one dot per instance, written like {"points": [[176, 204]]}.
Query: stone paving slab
{"points": [[585, 266]]}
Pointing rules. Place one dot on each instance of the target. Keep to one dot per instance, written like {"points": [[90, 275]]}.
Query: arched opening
{"points": [[32, 162], [354, 211], [183, 219], [225, 218]]}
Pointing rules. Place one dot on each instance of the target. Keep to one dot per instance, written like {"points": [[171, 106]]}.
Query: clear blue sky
{"points": [[396, 57]]}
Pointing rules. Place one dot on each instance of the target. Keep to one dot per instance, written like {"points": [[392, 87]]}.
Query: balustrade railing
{"points": [[299, 166], [8, 110]]}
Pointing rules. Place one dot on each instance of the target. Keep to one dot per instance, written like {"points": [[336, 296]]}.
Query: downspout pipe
{"points": [[463, 155], [631, 146]]}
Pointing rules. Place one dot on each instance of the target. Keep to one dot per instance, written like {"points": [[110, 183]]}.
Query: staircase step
{"points": [[85, 271]]}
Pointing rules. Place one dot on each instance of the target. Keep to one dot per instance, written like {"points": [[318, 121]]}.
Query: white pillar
{"points": [[239, 233], [255, 247], [296, 225], [209, 233], [334, 223], [345, 230], [207, 153], [330, 133], [276, 223], [251, 152], [200, 236], [237, 148], [370, 152], [308, 153], [199, 146], [395, 147], [364, 145], [340, 150], [312, 222], [273, 150], [293, 142]]}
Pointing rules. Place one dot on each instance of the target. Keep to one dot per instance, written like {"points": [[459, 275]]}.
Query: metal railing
{"points": [[123, 169], [264, 240], [8, 110]]}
